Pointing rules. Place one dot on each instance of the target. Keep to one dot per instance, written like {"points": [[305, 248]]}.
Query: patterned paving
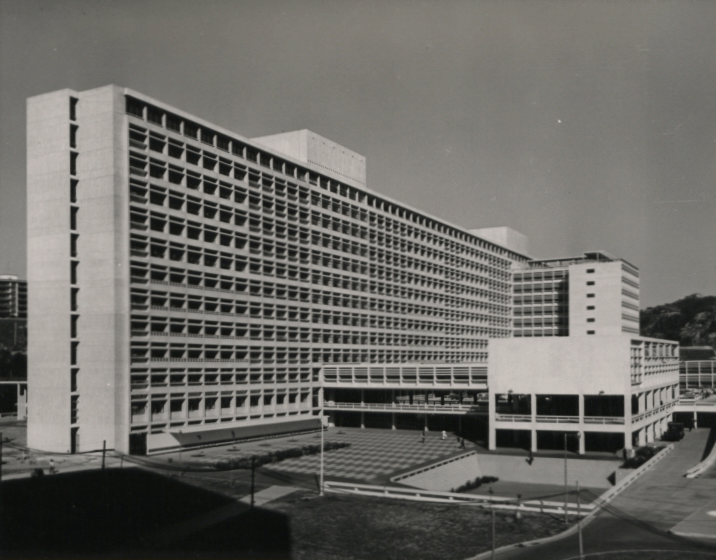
{"points": [[372, 453]]}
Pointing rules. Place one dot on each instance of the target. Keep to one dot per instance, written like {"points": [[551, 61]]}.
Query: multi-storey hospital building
{"points": [[191, 286]]}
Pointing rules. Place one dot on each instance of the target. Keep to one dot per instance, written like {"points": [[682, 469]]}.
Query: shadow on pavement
{"points": [[132, 513]]}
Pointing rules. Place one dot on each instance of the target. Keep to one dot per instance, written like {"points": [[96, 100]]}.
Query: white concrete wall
{"points": [[447, 477], [607, 300], [48, 270], [560, 365], [103, 251], [292, 144]]}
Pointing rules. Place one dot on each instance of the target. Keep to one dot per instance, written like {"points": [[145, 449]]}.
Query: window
{"points": [[590, 308], [73, 136], [73, 163], [590, 271], [590, 320], [73, 190], [590, 295], [590, 283], [590, 332]]}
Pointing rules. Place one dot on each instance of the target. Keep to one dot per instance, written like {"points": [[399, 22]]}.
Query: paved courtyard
{"points": [[372, 454]]}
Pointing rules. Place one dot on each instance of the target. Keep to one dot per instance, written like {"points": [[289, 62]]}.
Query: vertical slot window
{"points": [[73, 135], [73, 108], [73, 353], [73, 163], [73, 190], [73, 244]]}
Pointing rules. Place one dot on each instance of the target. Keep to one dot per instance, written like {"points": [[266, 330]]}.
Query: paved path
{"points": [[663, 497], [659, 500], [269, 495]]}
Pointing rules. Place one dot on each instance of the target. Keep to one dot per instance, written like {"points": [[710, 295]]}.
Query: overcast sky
{"points": [[584, 125]]}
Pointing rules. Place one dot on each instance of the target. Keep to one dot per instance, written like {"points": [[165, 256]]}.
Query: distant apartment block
{"points": [[200, 286], [13, 297]]}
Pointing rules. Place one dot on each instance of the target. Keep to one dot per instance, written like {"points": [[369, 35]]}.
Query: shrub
{"points": [[472, 484], [641, 456], [276, 456]]}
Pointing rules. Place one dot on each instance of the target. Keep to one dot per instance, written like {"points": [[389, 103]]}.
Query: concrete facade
{"points": [[185, 280], [595, 294], [631, 381]]}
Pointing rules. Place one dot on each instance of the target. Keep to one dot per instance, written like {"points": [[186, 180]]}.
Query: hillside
{"points": [[691, 321]]}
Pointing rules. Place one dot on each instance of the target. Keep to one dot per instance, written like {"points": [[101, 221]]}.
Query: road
{"points": [[639, 518]]}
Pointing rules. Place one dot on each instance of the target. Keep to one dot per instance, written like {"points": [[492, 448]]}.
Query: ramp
{"points": [[443, 475]]}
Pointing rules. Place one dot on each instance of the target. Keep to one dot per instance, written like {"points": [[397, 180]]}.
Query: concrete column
{"points": [[392, 420], [582, 443], [533, 406], [362, 419], [492, 432], [533, 440], [580, 400]]}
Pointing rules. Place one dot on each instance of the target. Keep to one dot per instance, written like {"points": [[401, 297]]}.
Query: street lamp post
{"points": [[579, 524], [566, 487]]}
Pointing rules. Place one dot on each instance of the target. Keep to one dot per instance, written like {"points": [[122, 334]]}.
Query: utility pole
{"points": [[492, 509], [579, 524], [253, 470], [320, 490], [566, 515]]}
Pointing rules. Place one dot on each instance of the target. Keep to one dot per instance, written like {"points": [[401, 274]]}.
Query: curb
{"points": [[699, 469], [604, 499]]}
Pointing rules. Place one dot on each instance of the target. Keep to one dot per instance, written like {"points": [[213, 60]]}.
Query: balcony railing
{"points": [[398, 407], [603, 420]]}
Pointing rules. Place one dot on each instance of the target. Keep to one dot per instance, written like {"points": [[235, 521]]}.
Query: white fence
{"points": [[475, 500]]}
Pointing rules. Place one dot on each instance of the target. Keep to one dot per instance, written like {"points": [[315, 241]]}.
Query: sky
{"points": [[584, 125]]}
